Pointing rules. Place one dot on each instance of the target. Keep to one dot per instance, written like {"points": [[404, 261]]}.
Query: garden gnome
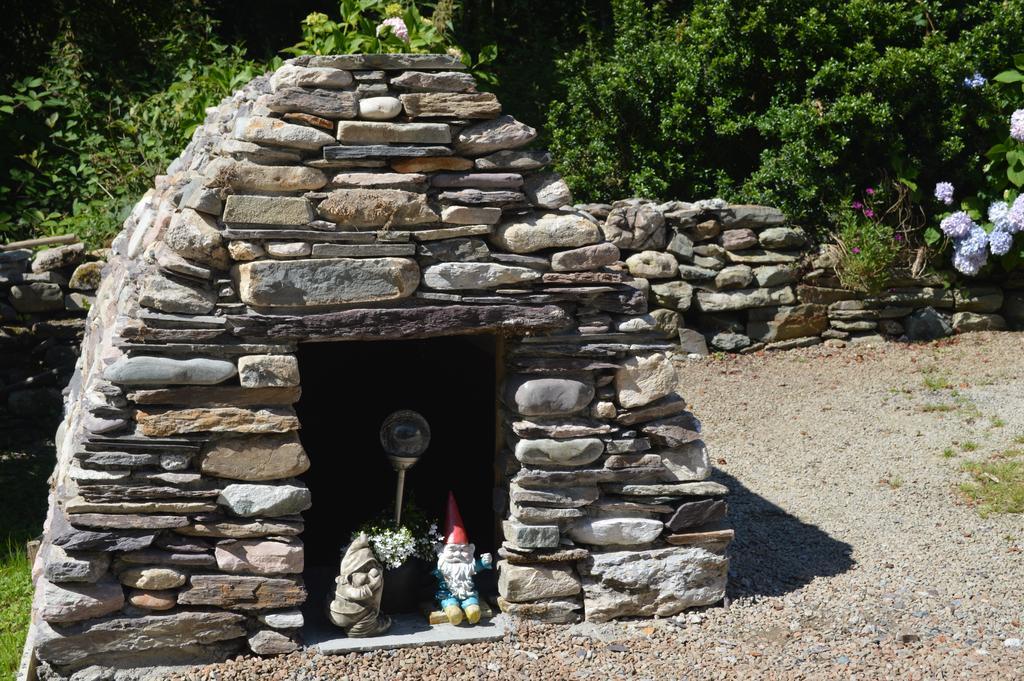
{"points": [[456, 592], [360, 582]]}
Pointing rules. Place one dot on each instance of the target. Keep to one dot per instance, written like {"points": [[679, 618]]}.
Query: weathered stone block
{"points": [[514, 160], [549, 396], [264, 557], [158, 292], [657, 582], [291, 75], [268, 210], [743, 299], [524, 583], [64, 603], [239, 592], [469, 215], [268, 371], [615, 531], [215, 420], [784, 323], [652, 265], [267, 642], [61, 567], [326, 281], [243, 176], [439, 81], [37, 296], [635, 227], [373, 132], [158, 578], [547, 230], [974, 321], [782, 237], [259, 458], [275, 132], [379, 108], [248, 501], [559, 452], [530, 536], [140, 370], [687, 463], [642, 380], [377, 208], [475, 275], [56, 258], [451, 105], [134, 635]]}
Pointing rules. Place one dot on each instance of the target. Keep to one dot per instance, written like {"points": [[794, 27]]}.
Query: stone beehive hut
{"points": [[368, 198]]}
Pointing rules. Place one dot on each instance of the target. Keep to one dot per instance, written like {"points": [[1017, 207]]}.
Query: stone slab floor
{"points": [[856, 555]]}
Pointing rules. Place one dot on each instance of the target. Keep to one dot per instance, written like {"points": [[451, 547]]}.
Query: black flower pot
{"points": [[405, 586]]}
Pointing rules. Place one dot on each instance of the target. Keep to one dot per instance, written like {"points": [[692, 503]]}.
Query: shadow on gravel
{"points": [[774, 552]]}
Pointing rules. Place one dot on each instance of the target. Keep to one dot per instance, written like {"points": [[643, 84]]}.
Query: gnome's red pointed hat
{"points": [[454, 530]]}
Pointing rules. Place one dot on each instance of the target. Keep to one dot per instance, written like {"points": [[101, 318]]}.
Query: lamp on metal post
{"points": [[404, 435]]}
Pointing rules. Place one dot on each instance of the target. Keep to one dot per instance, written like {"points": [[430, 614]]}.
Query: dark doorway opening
{"points": [[348, 389]]}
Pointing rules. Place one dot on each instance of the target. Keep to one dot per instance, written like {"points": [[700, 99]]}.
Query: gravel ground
{"points": [[856, 556]]}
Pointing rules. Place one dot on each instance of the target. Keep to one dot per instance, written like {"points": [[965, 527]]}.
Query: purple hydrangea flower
{"points": [[1017, 125], [397, 27], [975, 243], [975, 81], [957, 225], [1000, 242], [1015, 215], [944, 192], [968, 264]]}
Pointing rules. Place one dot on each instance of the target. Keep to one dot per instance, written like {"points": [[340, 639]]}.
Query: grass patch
{"points": [[26, 459], [15, 603], [1019, 440], [939, 408], [997, 486], [969, 446], [892, 481], [998, 422], [948, 453], [936, 381]]}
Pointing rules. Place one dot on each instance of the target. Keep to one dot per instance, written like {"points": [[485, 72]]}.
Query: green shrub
{"points": [[869, 248], [785, 102], [83, 140]]}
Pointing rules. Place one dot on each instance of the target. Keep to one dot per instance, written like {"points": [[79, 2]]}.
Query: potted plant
{"points": [[407, 551]]}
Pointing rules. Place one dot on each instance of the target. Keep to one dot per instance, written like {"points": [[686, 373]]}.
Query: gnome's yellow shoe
{"points": [[454, 614], [472, 613]]}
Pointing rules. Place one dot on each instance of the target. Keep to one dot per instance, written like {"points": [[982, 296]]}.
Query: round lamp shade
{"points": [[405, 434]]}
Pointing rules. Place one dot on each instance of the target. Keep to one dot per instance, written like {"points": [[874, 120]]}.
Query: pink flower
{"points": [[868, 213], [855, 249], [899, 237], [869, 191], [397, 27], [856, 205]]}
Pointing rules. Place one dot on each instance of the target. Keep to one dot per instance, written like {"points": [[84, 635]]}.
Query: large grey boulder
{"points": [[926, 324], [142, 370], [504, 132], [255, 458], [615, 531], [549, 396], [475, 275], [248, 501], [657, 582], [521, 583], [64, 603], [548, 452], [325, 281], [536, 232]]}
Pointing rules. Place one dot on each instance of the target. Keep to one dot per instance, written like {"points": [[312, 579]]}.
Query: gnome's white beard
{"points": [[456, 564]]}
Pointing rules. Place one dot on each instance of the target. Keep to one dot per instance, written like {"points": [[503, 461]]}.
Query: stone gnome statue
{"points": [[456, 591], [359, 585]]}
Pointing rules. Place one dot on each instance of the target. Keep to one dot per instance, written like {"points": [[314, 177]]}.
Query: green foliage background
{"points": [[795, 103]]}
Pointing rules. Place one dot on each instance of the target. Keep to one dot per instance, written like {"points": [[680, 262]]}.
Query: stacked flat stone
{"points": [[43, 300], [361, 197]]}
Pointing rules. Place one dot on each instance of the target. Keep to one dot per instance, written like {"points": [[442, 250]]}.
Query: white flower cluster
{"points": [[393, 547]]}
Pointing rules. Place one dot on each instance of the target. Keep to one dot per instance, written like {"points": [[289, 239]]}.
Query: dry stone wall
{"points": [[44, 297], [358, 198]]}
